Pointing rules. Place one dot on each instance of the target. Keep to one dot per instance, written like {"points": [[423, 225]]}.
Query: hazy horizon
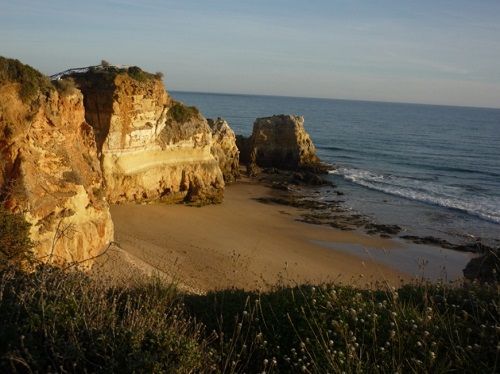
{"points": [[323, 98], [430, 52]]}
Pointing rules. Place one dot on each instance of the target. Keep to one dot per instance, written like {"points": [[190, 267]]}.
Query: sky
{"points": [[436, 52]]}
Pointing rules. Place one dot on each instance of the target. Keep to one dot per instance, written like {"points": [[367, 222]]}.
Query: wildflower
{"points": [[419, 343]]}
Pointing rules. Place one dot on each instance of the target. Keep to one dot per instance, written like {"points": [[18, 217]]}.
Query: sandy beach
{"points": [[242, 243]]}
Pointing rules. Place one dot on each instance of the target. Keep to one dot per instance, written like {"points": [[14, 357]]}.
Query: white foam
{"points": [[425, 191]]}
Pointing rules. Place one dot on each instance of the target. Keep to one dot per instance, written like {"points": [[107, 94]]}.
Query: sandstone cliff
{"points": [[279, 141], [49, 170], [224, 149], [150, 147]]}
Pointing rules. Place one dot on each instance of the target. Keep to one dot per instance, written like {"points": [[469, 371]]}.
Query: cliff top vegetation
{"points": [[107, 73], [31, 80], [182, 113]]}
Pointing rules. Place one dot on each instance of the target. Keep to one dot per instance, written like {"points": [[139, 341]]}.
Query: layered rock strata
{"points": [[150, 147], [224, 149], [49, 171], [279, 141]]}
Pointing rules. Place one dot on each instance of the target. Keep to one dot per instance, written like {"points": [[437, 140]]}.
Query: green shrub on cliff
{"points": [[139, 75], [181, 113], [31, 80], [15, 244]]}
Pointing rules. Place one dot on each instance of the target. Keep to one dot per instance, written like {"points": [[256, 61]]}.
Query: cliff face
{"points": [[280, 141], [224, 149], [150, 147], [49, 171]]}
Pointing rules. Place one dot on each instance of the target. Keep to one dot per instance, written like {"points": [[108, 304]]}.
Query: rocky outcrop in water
{"points": [[279, 141], [224, 149], [150, 146], [49, 170]]}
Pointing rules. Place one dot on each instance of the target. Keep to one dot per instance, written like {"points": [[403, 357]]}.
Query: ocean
{"points": [[433, 170]]}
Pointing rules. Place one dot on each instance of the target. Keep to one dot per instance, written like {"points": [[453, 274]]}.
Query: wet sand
{"points": [[241, 243]]}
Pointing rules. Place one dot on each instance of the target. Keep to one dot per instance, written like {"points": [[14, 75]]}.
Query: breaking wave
{"points": [[426, 191]]}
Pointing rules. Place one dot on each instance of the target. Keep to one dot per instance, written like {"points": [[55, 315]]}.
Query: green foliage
{"points": [[54, 320], [65, 322], [31, 81], [140, 75], [181, 113], [333, 328], [15, 244]]}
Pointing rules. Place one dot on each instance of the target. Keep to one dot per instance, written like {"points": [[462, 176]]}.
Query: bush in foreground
{"points": [[336, 329], [56, 321], [63, 321]]}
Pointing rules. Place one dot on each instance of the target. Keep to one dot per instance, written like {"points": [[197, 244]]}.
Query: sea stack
{"points": [[150, 146], [279, 141]]}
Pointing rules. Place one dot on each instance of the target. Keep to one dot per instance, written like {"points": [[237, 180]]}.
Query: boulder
{"points": [[150, 146], [49, 170], [224, 149], [280, 141]]}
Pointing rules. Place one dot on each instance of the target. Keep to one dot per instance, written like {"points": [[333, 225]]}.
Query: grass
{"points": [[56, 320], [334, 328]]}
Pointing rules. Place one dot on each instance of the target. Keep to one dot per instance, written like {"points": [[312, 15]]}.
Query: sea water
{"points": [[434, 170]]}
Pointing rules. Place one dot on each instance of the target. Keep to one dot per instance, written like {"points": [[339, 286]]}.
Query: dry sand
{"points": [[240, 243]]}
